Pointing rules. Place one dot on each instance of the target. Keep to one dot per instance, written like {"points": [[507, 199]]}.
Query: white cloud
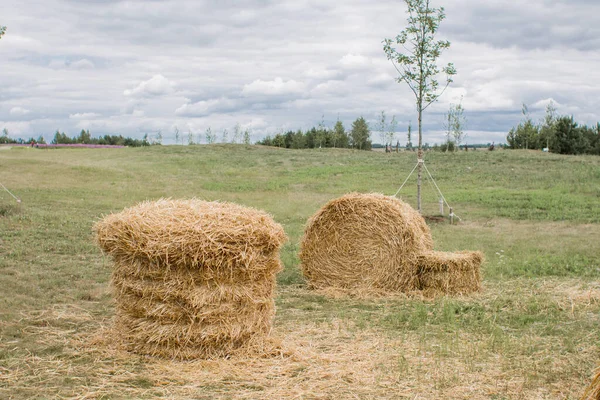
{"points": [[542, 104], [19, 111], [82, 64], [256, 123], [206, 107], [354, 61], [322, 73], [381, 79], [156, 86], [330, 87], [275, 87], [84, 116]]}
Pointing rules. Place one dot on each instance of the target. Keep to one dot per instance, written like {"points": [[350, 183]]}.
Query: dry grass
{"points": [[532, 333], [192, 279], [320, 360], [369, 244]]}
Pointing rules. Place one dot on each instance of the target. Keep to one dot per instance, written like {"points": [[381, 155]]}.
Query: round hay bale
{"points": [[364, 241], [192, 279]]}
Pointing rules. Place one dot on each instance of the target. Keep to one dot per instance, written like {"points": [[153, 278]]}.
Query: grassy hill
{"points": [[532, 333]]}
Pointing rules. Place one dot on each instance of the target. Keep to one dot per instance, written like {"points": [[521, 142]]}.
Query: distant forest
{"points": [[557, 134], [358, 137], [84, 138]]}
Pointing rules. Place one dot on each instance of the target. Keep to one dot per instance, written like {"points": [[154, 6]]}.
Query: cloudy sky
{"points": [[136, 67]]}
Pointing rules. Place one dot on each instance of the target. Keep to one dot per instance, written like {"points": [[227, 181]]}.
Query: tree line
{"points": [[557, 134], [84, 137], [316, 137]]}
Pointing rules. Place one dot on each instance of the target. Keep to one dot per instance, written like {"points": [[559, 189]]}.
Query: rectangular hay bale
{"points": [[450, 273]]}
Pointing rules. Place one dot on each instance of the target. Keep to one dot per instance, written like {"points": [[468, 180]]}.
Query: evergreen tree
{"points": [[569, 138], [299, 140], [340, 135]]}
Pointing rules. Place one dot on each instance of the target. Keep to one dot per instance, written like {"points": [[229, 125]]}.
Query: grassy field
{"points": [[533, 333]]}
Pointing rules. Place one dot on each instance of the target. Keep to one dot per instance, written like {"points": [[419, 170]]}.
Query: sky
{"points": [[140, 67]]}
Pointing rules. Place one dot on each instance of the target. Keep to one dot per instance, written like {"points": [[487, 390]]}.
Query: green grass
{"points": [[535, 216]]}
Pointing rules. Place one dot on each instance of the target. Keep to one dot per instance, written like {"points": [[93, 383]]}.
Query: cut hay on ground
{"points": [[371, 242], [192, 279]]}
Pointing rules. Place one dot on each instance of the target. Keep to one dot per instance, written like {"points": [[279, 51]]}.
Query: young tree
{"points": [[455, 126], [237, 133], [548, 128], [409, 145], [190, 137], [526, 134], [392, 130], [459, 122], [448, 127], [381, 127], [159, 137], [321, 133], [209, 136], [225, 136], [2, 31], [359, 135], [416, 62], [176, 135], [246, 136]]}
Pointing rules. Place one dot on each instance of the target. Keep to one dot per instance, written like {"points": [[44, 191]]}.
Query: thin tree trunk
{"points": [[419, 163]]}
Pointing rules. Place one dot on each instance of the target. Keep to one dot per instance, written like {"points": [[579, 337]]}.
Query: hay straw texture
{"points": [[593, 391], [371, 242], [192, 279]]}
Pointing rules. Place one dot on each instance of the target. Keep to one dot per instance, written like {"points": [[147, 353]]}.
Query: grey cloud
{"points": [[76, 65], [536, 24]]}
